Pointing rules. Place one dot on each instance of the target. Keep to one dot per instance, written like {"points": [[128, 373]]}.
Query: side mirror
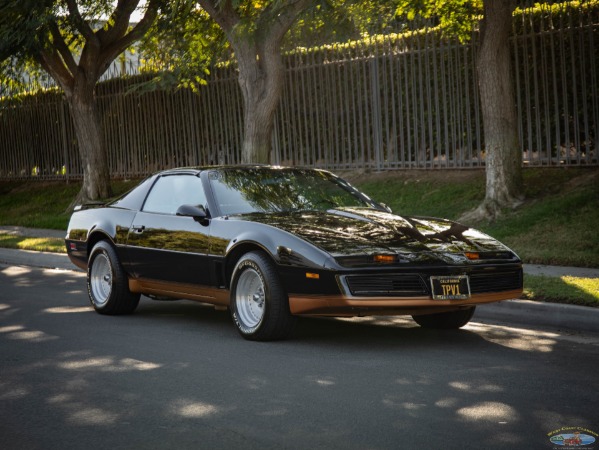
{"points": [[197, 212]]}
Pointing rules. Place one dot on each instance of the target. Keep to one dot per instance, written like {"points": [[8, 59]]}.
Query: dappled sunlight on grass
{"points": [[32, 243], [565, 289], [588, 285]]}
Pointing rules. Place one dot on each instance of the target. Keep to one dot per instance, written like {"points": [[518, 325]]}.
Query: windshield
{"points": [[267, 189]]}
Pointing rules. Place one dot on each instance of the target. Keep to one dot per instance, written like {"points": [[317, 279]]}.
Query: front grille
{"points": [[495, 281], [409, 285], [413, 285]]}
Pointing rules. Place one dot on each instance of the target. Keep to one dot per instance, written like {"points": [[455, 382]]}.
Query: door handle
{"points": [[137, 229]]}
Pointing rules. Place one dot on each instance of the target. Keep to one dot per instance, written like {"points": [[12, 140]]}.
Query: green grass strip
{"points": [[54, 245], [566, 289]]}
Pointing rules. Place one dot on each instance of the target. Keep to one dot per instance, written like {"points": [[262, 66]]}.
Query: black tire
{"points": [[445, 321], [107, 283], [259, 304]]}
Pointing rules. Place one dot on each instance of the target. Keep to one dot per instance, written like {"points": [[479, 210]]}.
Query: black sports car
{"points": [[273, 243]]}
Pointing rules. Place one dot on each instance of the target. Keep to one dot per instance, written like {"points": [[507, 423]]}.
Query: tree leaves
{"points": [[454, 17], [21, 24]]}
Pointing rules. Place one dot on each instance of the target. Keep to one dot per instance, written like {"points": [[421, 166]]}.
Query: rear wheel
{"points": [[447, 320], [259, 305], [107, 283]]}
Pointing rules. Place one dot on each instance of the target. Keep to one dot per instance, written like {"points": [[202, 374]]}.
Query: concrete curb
{"points": [[553, 315]]}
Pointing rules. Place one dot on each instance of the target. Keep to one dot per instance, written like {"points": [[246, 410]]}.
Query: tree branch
{"points": [[224, 14], [120, 44], [53, 63], [271, 29], [81, 25], [282, 18], [120, 21], [62, 48]]}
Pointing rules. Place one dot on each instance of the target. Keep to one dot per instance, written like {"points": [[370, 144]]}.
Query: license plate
{"points": [[450, 287]]}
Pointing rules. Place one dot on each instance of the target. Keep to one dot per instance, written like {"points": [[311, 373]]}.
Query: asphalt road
{"points": [[177, 375]]}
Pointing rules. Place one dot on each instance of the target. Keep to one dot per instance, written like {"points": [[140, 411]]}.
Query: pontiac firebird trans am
{"points": [[273, 243]]}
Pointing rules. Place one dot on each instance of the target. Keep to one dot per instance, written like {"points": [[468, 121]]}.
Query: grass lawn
{"points": [[577, 291], [30, 243], [42, 204]]}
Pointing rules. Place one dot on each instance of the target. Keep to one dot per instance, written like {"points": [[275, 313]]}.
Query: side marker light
{"points": [[386, 259]]}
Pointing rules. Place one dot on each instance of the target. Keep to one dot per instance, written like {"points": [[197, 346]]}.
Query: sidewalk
{"points": [[32, 232], [560, 271]]}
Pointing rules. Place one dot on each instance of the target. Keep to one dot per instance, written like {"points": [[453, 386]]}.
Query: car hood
{"points": [[360, 231]]}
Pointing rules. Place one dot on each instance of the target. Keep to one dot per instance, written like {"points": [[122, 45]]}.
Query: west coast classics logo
{"points": [[573, 437]]}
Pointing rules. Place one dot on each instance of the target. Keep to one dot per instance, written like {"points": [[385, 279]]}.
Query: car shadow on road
{"points": [[380, 332], [376, 331]]}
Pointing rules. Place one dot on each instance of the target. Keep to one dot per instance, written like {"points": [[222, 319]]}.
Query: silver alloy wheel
{"points": [[100, 280], [250, 298]]}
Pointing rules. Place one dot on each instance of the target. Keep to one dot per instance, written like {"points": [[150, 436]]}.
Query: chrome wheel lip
{"points": [[100, 280], [250, 299]]}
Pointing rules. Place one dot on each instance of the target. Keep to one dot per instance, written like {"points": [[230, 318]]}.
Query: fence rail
{"points": [[393, 103]]}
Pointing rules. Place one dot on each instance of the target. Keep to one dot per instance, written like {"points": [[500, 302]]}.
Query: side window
{"points": [[172, 191]]}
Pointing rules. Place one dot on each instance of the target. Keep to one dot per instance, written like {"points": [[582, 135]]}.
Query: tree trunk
{"points": [[77, 76], [88, 129], [261, 83], [256, 39], [496, 87], [258, 124]]}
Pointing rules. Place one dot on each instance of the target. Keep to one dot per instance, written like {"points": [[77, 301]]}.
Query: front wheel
{"points": [[259, 304], [447, 320], [107, 283]]}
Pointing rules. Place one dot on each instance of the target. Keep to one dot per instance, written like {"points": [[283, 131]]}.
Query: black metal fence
{"points": [[395, 102]]}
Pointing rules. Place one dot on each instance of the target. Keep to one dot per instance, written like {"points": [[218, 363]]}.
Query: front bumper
{"points": [[343, 306]]}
